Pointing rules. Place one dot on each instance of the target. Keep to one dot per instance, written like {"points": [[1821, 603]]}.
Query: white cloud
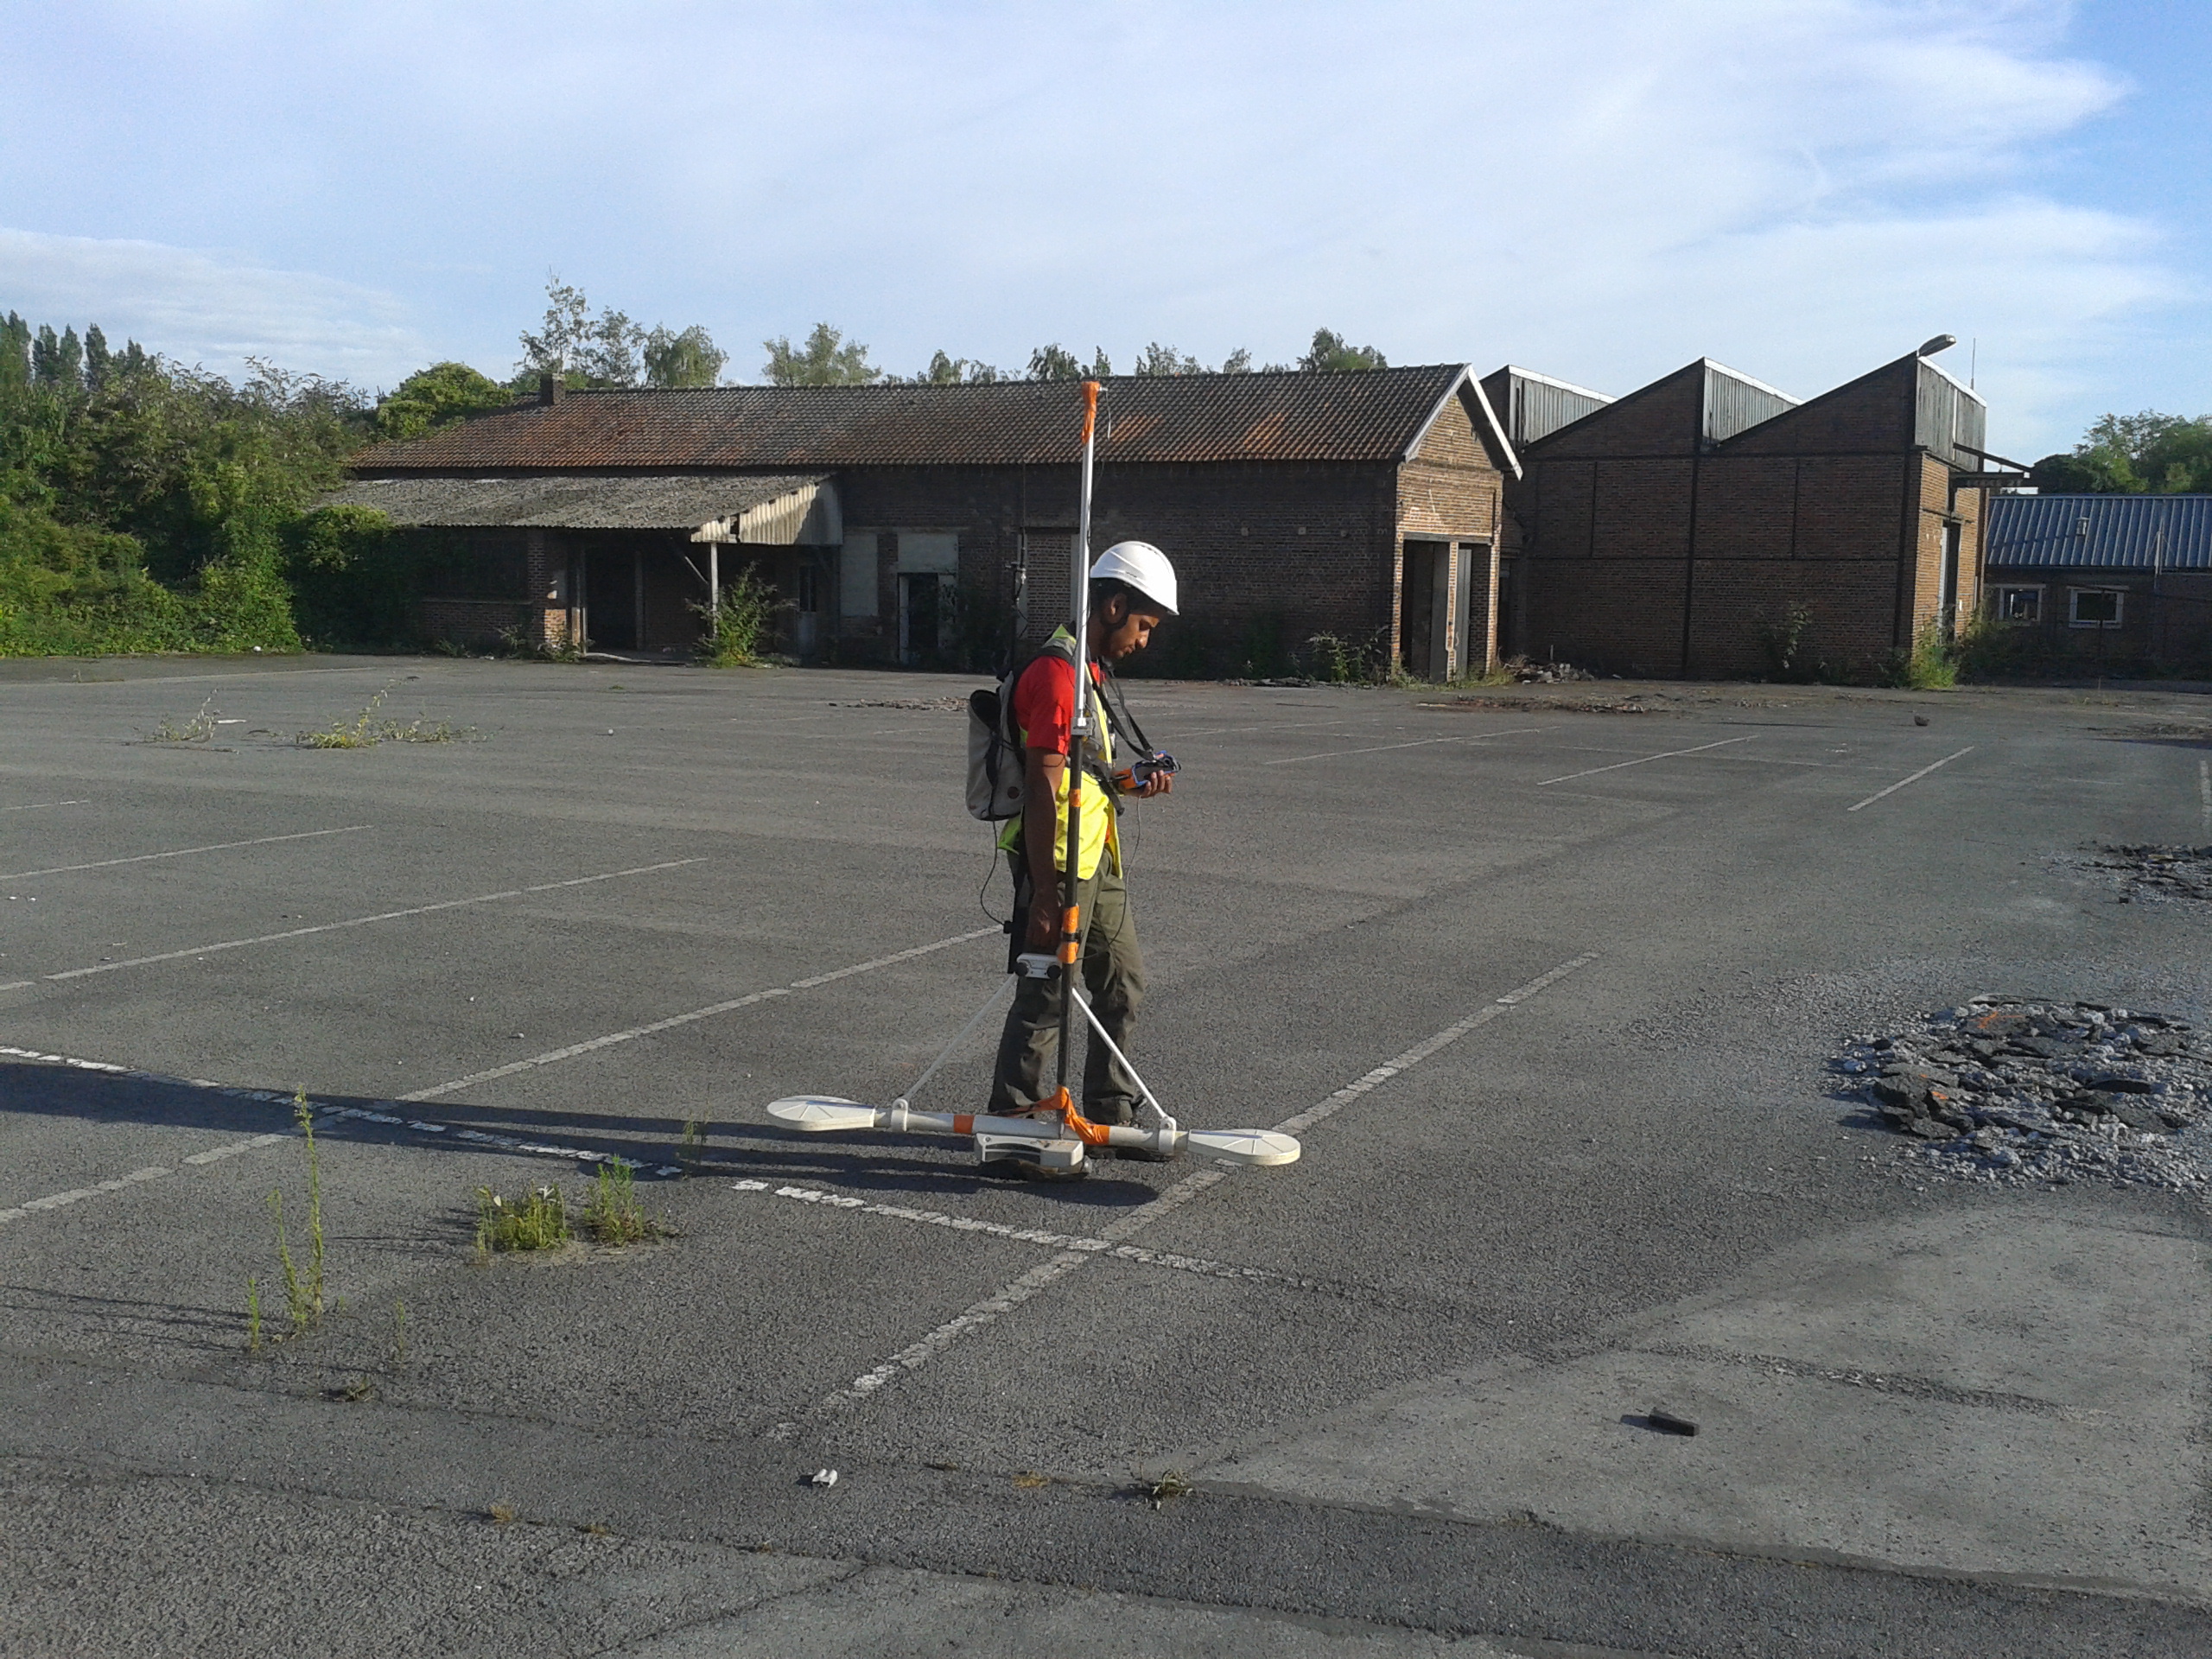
{"points": [[207, 308], [1605, 190]]}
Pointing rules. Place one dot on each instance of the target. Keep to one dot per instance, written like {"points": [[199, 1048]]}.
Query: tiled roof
{"points": [[1377, 416], [2111, 532], [684, 502]]}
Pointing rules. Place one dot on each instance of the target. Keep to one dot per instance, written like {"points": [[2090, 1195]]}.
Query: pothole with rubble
{"points": [[2018, 1091], [2151, 873]]}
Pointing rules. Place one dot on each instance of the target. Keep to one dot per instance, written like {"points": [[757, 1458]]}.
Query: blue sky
{"points": [[1601, 190]]}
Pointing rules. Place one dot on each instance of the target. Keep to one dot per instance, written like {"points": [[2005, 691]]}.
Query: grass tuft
{"points": [[613, 1215], [536, 1221], [366, 730], [500, 1514], [198, 729]]}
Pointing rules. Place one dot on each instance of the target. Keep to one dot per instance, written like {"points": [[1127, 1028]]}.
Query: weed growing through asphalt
{"points": [[198, 729], [613, 1215], [367, 729], [691, 1151], [398, 1331], [499, 1514], [536, 1221], [1169, 1486], [303, 1291]]}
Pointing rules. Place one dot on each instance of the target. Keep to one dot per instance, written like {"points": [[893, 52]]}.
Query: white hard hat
{"points": [[1143, 567]]}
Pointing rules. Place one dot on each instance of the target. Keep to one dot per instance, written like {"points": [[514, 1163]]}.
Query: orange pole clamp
{"points": [[1090, 408], [1070, 934]]}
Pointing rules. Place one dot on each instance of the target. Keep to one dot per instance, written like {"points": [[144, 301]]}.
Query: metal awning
{"points": [[776, 509]]}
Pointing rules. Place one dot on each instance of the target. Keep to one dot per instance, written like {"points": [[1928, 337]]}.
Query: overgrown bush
{"points": [[1789, 658], [1932, 664], [740, 627]]}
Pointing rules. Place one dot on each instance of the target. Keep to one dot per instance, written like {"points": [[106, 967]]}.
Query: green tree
{"points": [[585, 351], [1056, 362], [682, 358], [436, 396], [1238, 362], [826, 359], [58, 363], [1157, 358], [99, 363], [14, 352], [2133, 454], [1329, 354], [945, 370]]}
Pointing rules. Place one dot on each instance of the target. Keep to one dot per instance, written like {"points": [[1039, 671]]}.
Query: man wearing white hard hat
{"points": [[1132, 593]]}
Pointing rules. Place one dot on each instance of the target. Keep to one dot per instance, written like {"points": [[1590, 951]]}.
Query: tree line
{"points": [[2149, 454], [149, 505]]}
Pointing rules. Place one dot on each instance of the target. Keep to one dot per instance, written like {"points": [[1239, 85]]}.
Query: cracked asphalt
{"points": [[1551, 988]]}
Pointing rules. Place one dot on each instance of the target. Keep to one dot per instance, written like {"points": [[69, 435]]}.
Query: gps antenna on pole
{"points": [[1079, 731]]}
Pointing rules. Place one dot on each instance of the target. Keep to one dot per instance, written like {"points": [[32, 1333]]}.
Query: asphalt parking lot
{"points": [[1548, 992]]}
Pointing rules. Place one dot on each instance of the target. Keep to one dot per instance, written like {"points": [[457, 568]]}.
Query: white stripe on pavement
{"points": [[1419, 743], [358, 921], [1915, 778], [1642, 760], [183, 852], [1010, 1297], [670, 1024]]}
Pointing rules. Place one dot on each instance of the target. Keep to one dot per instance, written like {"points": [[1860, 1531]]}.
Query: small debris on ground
{"points": [[1667, 1422], [2019, 1090], [2152, 873], [823, 1477], [931, 703]]}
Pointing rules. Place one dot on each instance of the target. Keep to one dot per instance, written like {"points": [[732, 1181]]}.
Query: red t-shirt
{"points": [[1044, 702]]}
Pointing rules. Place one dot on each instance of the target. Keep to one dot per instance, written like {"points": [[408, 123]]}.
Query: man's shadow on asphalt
{"points": [[869, 1161]]}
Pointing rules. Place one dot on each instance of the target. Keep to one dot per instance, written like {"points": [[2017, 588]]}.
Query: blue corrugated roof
{"points": [[2113, 532]]}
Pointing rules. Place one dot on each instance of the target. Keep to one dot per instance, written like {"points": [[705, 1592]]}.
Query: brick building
{"points": [[2103, 581], [1677, 530], [892, 518]]}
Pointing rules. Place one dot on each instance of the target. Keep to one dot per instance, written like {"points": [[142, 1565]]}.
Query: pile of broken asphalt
{"points": [[2018, 1091]]}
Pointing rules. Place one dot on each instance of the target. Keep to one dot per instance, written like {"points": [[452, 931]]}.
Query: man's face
{"points": [[1128, 628]]}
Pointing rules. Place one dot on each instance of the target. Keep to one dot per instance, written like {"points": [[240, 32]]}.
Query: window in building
{"points": [[2095, 608], [2018, 605]]}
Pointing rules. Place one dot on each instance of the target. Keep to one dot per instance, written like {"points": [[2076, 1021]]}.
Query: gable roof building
{"points": [[1687, 526], [1364, 505]]}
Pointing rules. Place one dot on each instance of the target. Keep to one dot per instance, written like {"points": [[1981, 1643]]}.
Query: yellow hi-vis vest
{"points": [[1097, 810]]}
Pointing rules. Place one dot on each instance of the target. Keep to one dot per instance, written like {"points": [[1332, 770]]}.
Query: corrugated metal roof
{"points": [[2111, 532], [1735, 403], [1375, 416], [683, 501]]}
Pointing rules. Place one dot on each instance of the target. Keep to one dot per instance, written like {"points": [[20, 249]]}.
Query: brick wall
{"points": [[1636, 560], [1266, 555]]}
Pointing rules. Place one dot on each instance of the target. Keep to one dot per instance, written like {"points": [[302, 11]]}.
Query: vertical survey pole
{"points": [[1079, 734]]}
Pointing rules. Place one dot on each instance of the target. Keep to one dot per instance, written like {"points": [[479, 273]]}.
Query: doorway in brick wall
{"points": [[614, 597], [1425, 610], [1947, 598]]}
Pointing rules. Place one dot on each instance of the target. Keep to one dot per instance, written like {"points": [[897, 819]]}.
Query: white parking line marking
{"points": [[1198, 1265], [1642, 760], [38, 806], [670, 1024], [1006, 1299], [1417, 743], [55, 1200], [475, 1137], [1915, 778], [183, 852], [358, 921]]}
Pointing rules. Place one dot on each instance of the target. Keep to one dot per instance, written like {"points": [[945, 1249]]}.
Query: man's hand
{"points": [[1158, 783]]}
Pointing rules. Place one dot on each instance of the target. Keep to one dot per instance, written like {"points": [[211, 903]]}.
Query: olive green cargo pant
{"points": [[1113, 975]]}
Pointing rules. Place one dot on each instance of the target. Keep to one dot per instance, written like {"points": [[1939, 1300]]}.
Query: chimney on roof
{"points": [[552, 389]]}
